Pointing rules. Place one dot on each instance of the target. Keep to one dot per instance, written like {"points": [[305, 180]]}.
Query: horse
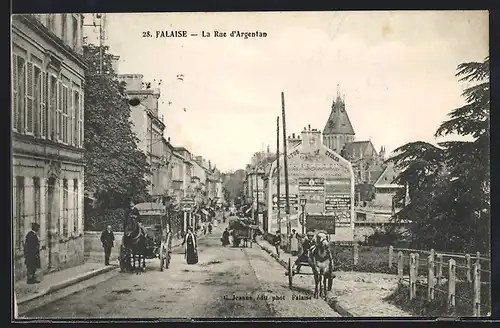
{"points": [[134, 244], [321, 262]]}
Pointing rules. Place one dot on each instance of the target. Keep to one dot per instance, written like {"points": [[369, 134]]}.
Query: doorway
{"points": [[49, 219]]}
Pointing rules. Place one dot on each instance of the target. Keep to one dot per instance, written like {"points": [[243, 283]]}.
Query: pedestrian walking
{"points": [[277, 242], [294, 243], [191, 249], [107, 240], [225, 238], [209, 228], [32, 253]]}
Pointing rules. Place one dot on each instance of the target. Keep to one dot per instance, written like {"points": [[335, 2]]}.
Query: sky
{"points": [[396, 69]]}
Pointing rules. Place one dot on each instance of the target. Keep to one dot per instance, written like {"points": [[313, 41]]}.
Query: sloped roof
{"points": [[387, 177], [338, 122], [358, 147]]}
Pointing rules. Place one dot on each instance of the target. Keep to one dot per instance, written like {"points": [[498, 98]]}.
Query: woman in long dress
{"points": [[190, 248]]}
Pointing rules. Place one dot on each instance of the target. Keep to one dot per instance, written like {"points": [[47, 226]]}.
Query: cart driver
{"points": [[306, 246]]}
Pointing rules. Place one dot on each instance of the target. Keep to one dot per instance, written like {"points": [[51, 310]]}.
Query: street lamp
{"points": [[303, 202]]}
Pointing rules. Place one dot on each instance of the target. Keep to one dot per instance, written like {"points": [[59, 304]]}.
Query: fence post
{"points": [[469, 267], [391, 251], [413, 277], [477, 290], [356, 253], [430, 278], [417, 263], [451, 285], [439, 269], [400, 267]]}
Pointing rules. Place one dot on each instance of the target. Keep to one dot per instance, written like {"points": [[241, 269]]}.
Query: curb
{"points": [[333, 303], [69, 282]]}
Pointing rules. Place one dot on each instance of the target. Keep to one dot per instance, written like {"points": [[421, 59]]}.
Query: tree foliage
{"points": [[449, 184], [115, 167], [233, 187]]}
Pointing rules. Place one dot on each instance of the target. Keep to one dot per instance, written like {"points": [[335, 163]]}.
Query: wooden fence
{"points": [[441, 274]]}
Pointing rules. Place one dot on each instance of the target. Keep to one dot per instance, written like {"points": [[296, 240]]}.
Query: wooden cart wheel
{"points": [[290, 273]]}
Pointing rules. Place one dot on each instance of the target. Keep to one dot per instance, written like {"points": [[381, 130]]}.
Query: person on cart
{"points": [[306, 246]]}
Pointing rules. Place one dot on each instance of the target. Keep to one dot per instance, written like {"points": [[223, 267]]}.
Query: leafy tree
{"points": [[115, 168], [449, 184], [234, 185]]}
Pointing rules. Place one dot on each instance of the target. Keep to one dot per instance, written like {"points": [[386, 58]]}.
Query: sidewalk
{"points": [[356, 294], [54, 281]]}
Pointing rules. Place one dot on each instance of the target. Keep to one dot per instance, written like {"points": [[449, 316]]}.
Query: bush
{"points": [[97, 220]]}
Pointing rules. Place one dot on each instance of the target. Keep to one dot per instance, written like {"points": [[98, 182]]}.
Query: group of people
{"points": [[308, 245]]}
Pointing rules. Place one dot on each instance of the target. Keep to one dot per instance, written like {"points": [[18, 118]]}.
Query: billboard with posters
{"points": [[321, 177]]}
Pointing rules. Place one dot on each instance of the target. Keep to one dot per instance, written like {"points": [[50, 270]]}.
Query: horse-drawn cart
{"points": [[242, 229], [147, 235], [327, 276]]}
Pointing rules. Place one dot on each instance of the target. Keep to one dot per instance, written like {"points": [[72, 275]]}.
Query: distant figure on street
{"points": [[294, 243], [225, 238], [277, 242], [209, 228], [204, 228], [107, 240], [32, 253], [190, 248]]}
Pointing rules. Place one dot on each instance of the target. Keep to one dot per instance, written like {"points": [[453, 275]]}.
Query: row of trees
{"points": [[449, 184], [115, 168]]}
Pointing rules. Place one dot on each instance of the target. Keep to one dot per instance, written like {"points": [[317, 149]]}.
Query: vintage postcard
{"points": [[256, 164]]}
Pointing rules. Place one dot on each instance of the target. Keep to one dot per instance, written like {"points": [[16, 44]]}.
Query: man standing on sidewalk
{"points": [[277, 242], [32, 253], [107, 240]]}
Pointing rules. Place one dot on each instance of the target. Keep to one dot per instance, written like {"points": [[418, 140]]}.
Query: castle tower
{"points": [[338, 129]]}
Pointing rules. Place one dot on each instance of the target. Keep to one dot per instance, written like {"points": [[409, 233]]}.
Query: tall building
{"points": [[367, 164], [148, 126], [48, 75]]}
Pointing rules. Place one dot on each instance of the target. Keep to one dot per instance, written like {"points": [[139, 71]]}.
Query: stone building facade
{"points": [[48, 75], [149, 128]]}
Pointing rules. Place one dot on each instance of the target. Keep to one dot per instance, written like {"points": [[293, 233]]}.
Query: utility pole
{"points": [[278, 171], [287, 207], [257, 180], [101, 25]]}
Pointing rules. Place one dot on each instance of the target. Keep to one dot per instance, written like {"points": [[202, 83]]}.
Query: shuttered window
{"points": [[37, 99], [80, 121], [28, 127], [52, 108], [43, 107], [65, 114], [76, 117], [59, 117], [15, 91]]}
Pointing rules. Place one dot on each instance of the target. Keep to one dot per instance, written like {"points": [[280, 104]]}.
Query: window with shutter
{"points": [[43, 106], [52, 108], [15, 91], [37, 97], [80, 119], [76, 118], [59, 104], [65, 107], [29, 99], [70, 116]]}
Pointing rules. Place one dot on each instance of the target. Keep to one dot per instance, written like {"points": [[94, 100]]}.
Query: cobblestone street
{"points": [[227, 282]]}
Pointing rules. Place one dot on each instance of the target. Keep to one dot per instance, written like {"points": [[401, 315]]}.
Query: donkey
{"points": [[321, 262]]}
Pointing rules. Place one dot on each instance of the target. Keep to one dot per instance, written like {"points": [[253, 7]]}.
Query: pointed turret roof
{"points": [[338, 121]]}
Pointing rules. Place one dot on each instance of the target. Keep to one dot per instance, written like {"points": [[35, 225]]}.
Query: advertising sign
{"points": [[321, 222]]}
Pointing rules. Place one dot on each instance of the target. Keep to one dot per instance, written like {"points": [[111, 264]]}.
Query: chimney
{"points": [[309, 127], [293, 135]]}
